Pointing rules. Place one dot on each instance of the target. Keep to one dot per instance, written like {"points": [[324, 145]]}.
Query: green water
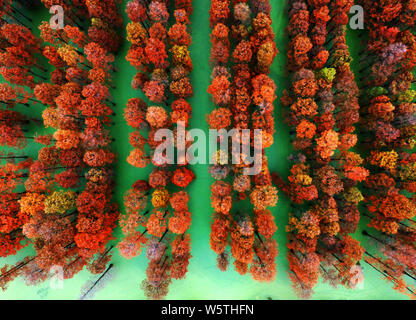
{"points": [[204, 280]]}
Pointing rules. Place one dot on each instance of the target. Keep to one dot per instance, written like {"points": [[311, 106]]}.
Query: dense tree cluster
{"points": [[104, 15], [244, 96], [157, 216], [57, 178]]}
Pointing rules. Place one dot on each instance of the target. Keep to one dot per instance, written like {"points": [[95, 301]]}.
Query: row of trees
{"points": [[19, 66], [388, 108], [323, 109], [243, 96], [157, 215], [63, 205]]}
